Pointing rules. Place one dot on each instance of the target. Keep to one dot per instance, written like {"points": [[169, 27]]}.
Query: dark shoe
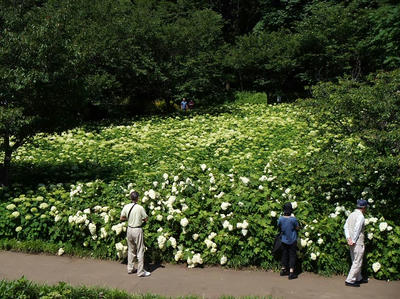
{"points": [[292, 276], [364, 280], [284, 272], [132, 272], [349, 284]]}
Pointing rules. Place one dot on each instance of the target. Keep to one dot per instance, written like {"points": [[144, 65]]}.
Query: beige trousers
{"points": [[356, 254], [134, 237]]}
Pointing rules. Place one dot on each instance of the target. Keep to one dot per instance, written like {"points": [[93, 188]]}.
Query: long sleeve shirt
{"points": [[354, 227]]}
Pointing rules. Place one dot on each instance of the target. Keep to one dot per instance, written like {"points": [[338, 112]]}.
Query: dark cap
{"points": [[362, 203]]}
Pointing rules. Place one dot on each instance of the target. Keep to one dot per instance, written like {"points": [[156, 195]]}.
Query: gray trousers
{"points": [[356, 254], [134, 237]]}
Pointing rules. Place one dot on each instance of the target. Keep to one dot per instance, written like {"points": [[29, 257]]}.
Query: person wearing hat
{"points": [[288, 226], [354, 231], [136, 215]]}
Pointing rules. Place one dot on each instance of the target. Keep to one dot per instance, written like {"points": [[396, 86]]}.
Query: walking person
{"points": [[354, 232], [288, 226], [136, 216], [184, 105]]}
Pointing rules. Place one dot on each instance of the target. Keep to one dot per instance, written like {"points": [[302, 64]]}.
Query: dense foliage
{"points": [[213, 184], [23, 288]]}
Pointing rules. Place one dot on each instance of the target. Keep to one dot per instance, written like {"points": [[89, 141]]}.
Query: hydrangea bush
{"points": [[213, 185]]}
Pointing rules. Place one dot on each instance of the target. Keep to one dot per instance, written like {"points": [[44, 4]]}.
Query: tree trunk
{"points": [[4, 175], [241, 81]]}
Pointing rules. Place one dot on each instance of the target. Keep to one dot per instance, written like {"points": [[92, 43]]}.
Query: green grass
{"points": [[23, 288]]}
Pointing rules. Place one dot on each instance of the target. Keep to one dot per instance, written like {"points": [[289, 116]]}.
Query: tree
{"points": [[38, 89]]}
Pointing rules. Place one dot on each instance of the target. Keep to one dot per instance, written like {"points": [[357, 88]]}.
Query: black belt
{"points": [[134, 226]]}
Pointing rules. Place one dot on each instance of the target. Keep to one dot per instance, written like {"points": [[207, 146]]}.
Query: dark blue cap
{"points": [[362, 203]]}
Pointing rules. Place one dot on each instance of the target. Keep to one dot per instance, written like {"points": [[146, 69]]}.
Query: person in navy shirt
{"points": [[289, 226]]}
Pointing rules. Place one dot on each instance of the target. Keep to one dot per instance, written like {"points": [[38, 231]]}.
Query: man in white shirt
{"points": [[354, 231], [136, 216]]}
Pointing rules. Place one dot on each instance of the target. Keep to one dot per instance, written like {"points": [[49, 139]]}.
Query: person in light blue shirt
{"points": [[184, 104], [288, 226]]}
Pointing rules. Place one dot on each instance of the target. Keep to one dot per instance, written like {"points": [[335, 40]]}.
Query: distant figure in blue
{"points": [[184, 104], [289, 226]]}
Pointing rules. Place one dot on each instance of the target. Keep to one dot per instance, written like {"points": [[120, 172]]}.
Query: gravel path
{"points": [[177, 280]]}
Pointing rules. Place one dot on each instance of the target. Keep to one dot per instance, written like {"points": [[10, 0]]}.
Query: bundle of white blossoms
{"points": [[118, 228], [223, 260], [376, 266], [227, 225], [194, 261], [161, 241], [122, 251], [225, 205], [243, 226]]}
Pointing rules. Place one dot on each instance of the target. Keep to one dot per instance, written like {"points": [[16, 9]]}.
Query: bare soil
{"points": [[177, 280]]}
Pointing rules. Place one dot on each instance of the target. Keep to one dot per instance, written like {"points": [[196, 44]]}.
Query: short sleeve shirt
{"points": [[288, 227], [137, 214]]}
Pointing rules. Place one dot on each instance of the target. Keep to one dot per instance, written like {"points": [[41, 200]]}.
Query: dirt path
{"points": [[177, 280]]}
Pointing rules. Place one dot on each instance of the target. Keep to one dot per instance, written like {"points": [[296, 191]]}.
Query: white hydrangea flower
{"points": [[307, 234], [208, 243], [173, 242], [197, 259], [57, 218], [103, 233], [86, 211], [313, 256], [245, 224], [244, 180], [18, 229], [60, 251], [303, 242], [15, 214], [155, 184], [195, 236], [244, 232], [170, 217], [203, 167], [370, 236], [260, 188], [118, 228], [11, 206], [287, 191], [184, 207], [376, 266], [223, 260], [320, 241], [178, 255], [389, 228], [160, 230], [294, 204], [383, 226], [212, 235], [159, 217], [225, 224], [161, 241], [273, 214], [92, 228], [225, 205], [152, 194], [165, 176], [184, 222]]}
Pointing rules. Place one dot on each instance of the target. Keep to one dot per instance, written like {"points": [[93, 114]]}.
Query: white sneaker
{"points": [[145, 274]]}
